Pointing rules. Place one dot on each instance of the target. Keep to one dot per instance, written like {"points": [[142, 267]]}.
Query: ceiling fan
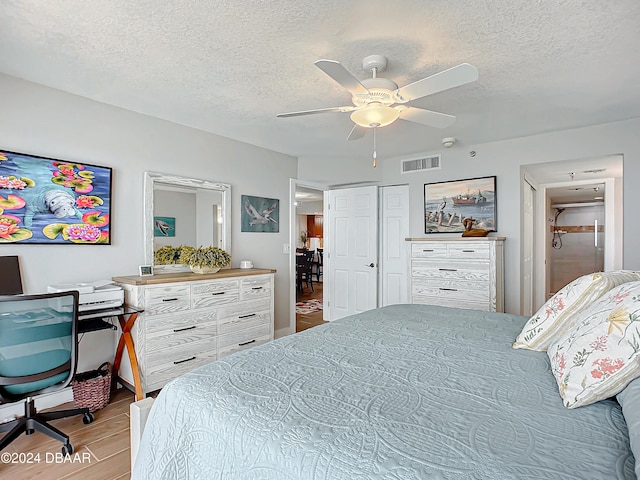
{"points": [[378, 102]]}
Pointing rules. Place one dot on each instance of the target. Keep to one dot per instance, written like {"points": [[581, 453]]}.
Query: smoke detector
{"points": [[448, 142]]}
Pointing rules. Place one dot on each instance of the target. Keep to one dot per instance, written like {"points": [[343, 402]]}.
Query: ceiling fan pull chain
{"points": [[375, 153]]}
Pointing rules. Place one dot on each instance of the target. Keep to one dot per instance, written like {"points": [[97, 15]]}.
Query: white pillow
{"points": [[556, 317], [600, 355]]}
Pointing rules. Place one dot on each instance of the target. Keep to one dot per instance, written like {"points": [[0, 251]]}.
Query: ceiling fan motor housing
{"points": [[379, 62]]}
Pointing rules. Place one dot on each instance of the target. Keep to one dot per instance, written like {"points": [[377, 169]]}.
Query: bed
{"points": [[398, 393]]}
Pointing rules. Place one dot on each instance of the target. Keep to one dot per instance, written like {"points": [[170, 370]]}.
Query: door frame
{"points": [[294, 183]]}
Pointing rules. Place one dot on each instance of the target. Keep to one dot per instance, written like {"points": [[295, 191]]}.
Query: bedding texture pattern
{"points": [[601, 354], [404, 392], [556, 317], [629, 399]]}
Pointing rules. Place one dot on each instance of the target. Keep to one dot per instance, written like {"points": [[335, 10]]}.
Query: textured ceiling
{"points": [[229, 67]]}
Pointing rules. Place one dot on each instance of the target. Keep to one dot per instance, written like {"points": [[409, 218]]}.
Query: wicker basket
{"points": [[92, 389]]}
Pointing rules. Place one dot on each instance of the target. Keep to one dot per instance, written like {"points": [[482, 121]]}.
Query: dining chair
{"points": [[318, 264], [304, 266], [38, 355]]}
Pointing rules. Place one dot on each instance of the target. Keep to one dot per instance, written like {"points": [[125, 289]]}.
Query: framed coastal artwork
{"points": [[448, 204], [164, 226], [49, 201], [260, 214]]}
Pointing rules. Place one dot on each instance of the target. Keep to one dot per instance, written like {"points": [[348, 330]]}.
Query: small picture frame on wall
{"points": [[146, 270], [260, 214], [448, 204]]}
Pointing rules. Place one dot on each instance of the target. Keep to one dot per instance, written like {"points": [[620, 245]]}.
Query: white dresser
{"points": [[190, 320], [463, 272]]}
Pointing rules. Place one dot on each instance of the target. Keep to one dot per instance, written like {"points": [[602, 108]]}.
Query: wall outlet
{"points": [[286, 248]]}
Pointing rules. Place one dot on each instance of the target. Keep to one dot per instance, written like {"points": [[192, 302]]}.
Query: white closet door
{"points": [[352, 257]]}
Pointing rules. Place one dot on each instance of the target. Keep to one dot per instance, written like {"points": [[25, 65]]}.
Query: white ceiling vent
{"points": [[421, 164]]}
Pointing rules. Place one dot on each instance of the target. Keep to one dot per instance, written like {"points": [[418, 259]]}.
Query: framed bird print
{"points": [[164, 226], [448, 204], [49, 201], [260, 214]]}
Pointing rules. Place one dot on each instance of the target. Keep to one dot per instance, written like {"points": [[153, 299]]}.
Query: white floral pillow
{"points": [[600, 355], [557, 316]]}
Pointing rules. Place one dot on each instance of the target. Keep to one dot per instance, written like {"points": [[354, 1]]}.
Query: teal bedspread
{"points": [[405, 392]]}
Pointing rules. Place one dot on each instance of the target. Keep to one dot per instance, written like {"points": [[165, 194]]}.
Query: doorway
{"points": [[309, 226], [575, 217], [577, 234], [306, 216]]}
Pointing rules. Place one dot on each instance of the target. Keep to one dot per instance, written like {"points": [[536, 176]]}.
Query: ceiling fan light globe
{"points": [[375, 115]]}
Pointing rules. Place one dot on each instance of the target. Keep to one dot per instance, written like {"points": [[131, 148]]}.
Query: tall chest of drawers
{"points": [[463, 272], [189, 320]]}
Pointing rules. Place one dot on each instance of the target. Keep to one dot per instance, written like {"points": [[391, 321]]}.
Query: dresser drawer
{"points": [[179, 336], [160, 374], [232, 324], [242, 339], [479, 272], [213, 299], [429, 250], [469, 250], [255, 287], [168, 323], [215, 293], [444, 301], [180, 353], [204, 288], [450, 288], [167, 299], [244, 308]]}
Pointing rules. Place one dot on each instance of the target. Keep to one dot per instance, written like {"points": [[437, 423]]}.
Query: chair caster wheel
{"points": [[87, 418], [67, 449]]}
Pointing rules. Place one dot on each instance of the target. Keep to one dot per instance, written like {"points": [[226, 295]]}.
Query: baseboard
{"points": [[282, 332], [50, 400]]}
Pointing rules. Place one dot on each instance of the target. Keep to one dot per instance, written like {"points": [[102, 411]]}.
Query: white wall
{"points": [[47, 122], [504, 159]]}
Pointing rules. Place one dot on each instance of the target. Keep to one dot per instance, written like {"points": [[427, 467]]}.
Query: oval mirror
{"points": [[185, 211]]}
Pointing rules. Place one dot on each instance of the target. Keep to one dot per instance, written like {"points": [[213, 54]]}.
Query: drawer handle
{"points": [[175, 299], [431, 250], [256, 288], [246, 343], [185, 360], [218, 293], [247, 316], [449, 289], [184, 329], [468, 251], [448, 269]]}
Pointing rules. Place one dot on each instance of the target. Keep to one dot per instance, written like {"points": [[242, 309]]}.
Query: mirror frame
{"points": [[153, 178]]}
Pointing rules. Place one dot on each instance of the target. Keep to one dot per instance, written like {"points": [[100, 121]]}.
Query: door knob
{"points": [[371, 265]]}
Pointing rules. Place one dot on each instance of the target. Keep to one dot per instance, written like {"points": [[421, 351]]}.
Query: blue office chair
{"points": [[38, 354]]}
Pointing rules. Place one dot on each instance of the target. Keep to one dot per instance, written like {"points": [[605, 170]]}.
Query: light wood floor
{"points": [[304, 321], [101, 448]]}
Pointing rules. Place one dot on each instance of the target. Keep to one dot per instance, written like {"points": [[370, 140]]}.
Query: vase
{"points": [[203, 270]]}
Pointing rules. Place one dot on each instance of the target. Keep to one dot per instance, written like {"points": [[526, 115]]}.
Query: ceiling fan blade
{"points": [[356, 132], [426, 117], [319, 110], [341, 75], [453, 77]]}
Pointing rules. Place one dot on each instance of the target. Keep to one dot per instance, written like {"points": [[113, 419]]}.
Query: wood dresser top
{"points": [[190, 277]]}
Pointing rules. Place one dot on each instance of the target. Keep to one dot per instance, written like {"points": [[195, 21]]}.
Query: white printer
{"points": [[97, 299]]}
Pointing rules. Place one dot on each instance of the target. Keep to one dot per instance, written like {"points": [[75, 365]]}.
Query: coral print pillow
{"points": [[600, 355], [556, 317]]}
